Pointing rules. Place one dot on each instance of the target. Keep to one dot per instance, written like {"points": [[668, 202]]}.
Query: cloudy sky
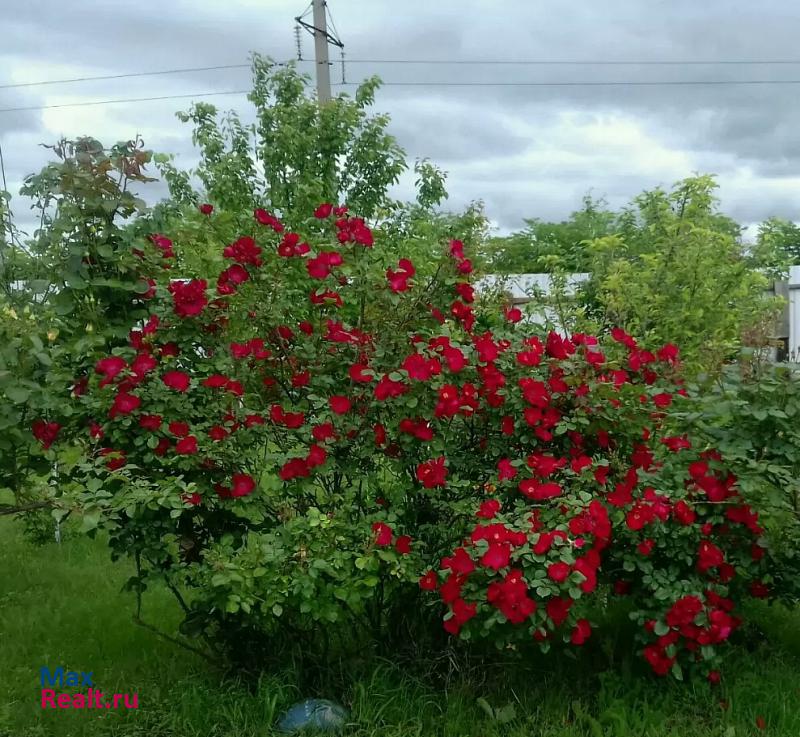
{"points": [[525, 151]]}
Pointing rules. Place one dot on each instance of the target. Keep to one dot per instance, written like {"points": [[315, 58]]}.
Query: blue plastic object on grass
{"points": [[318, 715]]}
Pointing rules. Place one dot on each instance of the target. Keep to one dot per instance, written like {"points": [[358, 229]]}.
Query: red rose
{"points": [[150, 422], [662, 400], [317, 455], [432, 473], [109, 368], [215, 381], [217, 433], [621, 588], [340, 404], [179, 429], [243, 251], [320, 266], [403, 544], [646, 547], [708, 556], [242, 484], [538, 491], [206, 209], [461, 613], [323, 211], [581, 632], [266, 218], [231, 278], [559, 571], [124, 404], [429, 581], [45, 432], [116, 458], [162, 447], [295, 468], [161, 242], [460, 562], [683, 513], [301, 379], [187, 445], [143, 364], [759, 590], [505, 471], [291, 420], [558, 609], [323, 432], [356, 373], [383, 534], [176, 380], [398, 279], [668, 353], [488, 509], [189, 298], [497, 556]]}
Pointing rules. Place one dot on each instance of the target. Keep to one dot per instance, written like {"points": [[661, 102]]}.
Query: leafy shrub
{"points": [[320, 440], [751, 416], [670, 268], [65, 298]]}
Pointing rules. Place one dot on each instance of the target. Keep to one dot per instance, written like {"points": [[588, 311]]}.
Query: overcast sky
{"points": [[524, 151]]}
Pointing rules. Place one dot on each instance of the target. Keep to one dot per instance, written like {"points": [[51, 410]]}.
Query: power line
{"points": [[586, 62], [183, 70], [621, 83], [3, 168], [598, 83], [127, 99], [469, 62]]}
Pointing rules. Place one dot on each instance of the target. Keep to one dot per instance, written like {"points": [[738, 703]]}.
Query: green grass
{"points": [[61, 605]]}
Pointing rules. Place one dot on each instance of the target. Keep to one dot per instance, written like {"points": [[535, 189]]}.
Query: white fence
{"points": [[793, 309]]}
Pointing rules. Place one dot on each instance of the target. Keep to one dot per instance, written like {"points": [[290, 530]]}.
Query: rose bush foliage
{"points": [[319, 437]]}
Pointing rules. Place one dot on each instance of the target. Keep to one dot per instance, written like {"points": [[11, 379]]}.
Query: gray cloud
{"points": [[526, 151]]}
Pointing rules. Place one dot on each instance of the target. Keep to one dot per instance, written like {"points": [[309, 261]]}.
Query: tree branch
{"points": [[9, 509]]}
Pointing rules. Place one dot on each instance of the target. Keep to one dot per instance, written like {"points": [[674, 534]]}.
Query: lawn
{"points": [[62, 605]]}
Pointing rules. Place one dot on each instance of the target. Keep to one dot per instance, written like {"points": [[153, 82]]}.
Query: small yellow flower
{"points": [[52, 335]]}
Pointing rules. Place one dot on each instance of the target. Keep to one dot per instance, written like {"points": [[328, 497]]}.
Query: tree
{"points": [[677, 271], [297, 152], [777, 246], [68, 293], [546, 247]]}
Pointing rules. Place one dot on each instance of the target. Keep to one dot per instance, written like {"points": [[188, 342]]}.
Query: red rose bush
{"points": [[323, 432]]}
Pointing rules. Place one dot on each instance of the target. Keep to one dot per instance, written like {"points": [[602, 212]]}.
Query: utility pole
{"points": [[321, 52], [318, 28]]}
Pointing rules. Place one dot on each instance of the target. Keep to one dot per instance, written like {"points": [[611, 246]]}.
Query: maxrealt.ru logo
{"points": [[92, 698]]}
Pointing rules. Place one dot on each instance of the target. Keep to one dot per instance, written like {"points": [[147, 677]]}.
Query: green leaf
{"points": [[90, 521], [63, 304], [505, 714], [17, 394], [661, 628], [484, 705]]}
